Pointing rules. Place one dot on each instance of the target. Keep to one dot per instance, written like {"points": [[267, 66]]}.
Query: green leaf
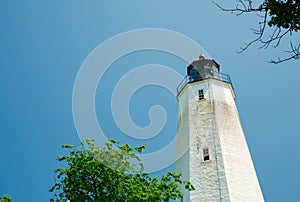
{"points": [[107, 174], [68, 146]]}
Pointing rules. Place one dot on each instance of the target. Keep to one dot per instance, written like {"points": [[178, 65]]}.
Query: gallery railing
{"points": [[203, 76]]}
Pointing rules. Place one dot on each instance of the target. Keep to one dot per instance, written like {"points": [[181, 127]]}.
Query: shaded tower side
{"points": [[242, 181]]}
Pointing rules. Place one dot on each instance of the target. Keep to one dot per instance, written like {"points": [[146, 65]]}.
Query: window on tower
{"points": [[201, 94], [206, 154]]}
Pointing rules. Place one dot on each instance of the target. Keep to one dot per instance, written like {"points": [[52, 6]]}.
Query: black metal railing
{"points": [[202, 76]]}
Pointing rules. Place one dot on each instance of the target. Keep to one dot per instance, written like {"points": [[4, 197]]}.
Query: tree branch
{"points": [[245, 8], [269, 20], [294, 54]]}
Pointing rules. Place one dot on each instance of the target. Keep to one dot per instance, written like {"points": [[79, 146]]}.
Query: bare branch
{"points": [[259, 32], [237, 9], [294, 54], [276, 39]]}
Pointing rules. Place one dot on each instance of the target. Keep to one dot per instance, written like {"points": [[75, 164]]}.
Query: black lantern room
{"points": [[203, 68]]}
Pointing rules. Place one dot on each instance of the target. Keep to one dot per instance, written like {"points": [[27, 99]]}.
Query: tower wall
{"points": [[213, 123], [183, 141], [241, 177]]}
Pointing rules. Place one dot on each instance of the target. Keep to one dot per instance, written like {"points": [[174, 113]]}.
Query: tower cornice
{"points": [[211, 79]]}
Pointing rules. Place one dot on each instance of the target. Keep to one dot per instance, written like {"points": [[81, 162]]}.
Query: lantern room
{"points": [[203, 68]]}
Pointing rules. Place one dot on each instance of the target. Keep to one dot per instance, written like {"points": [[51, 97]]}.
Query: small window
{"points": [[205, 154], [201, 94]]}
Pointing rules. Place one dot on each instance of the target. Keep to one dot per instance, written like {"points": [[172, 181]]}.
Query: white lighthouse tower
{"points": [[212, 151]]}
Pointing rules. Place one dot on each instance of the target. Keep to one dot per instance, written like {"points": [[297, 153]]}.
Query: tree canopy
{"points": [[114, 173], [5, 198], [279, 19]]}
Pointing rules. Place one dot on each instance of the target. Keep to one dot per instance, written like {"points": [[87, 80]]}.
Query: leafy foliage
{"points": [[5, 198], [114, 173], [284, 14], [279, 19]]}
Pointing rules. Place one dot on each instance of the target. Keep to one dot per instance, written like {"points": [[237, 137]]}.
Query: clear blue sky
{"points": [[44, 43]]}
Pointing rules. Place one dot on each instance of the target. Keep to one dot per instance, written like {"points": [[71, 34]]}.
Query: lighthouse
{"points": [[212, 151]]}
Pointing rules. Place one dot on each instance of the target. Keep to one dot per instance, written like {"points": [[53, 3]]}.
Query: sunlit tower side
{"points": [[211, 145]]}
